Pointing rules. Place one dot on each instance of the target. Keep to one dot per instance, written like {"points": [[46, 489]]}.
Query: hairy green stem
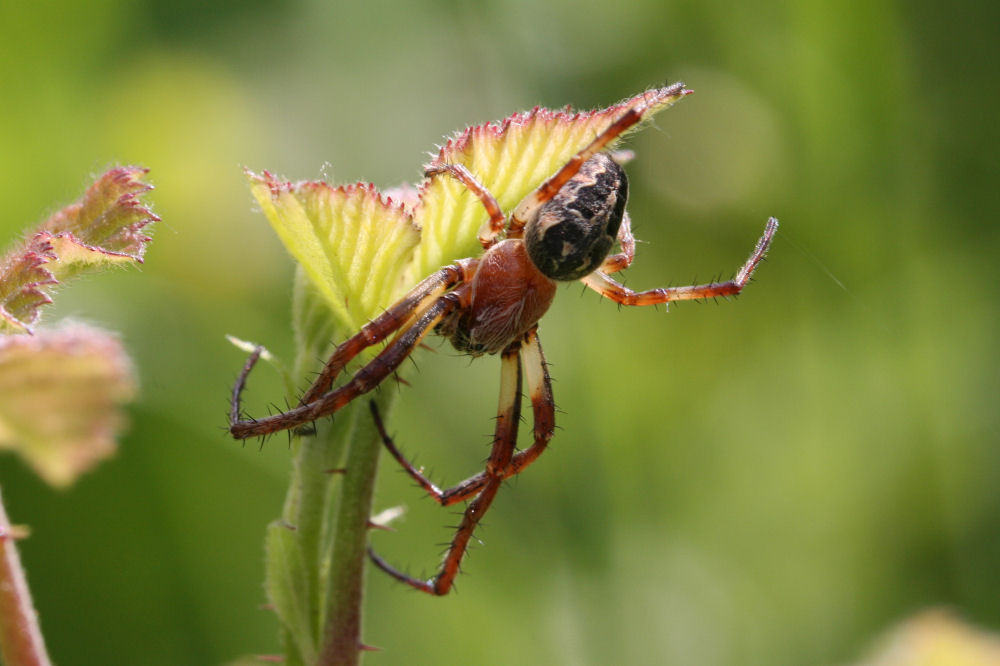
{"points": [[342, 642], [317, 551], [308, 506], [21, 642]]}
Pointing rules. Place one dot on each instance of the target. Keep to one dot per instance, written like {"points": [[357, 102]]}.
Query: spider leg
{"points": [[241, 382], [365, 379], [388, 322], [487, 237], [626, 240], [543, 406], [394, 451], [504, 439], [609, 288], [544, 193]]}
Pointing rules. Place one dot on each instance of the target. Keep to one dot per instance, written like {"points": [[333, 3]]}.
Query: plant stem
{"points": [[342, 642], [21, 642], [298, 546], [317, 552]]}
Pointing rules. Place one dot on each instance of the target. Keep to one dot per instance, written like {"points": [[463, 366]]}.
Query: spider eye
{"points": [[574, 232]]}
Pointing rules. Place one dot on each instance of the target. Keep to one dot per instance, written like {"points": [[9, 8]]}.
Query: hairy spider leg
{"points": [[504, 439], [387, 323], [373, 332], [241, 380], [617, 292], [543, 406], [487, 237], [365, 379], [425, 483], [622, 260], [540, 389]]}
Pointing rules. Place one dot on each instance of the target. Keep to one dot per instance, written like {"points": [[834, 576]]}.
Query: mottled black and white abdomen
{"points": [[575, 231]]}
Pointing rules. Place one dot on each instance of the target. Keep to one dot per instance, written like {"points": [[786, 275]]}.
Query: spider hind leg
{"points": [[501, 455], [543, 408]]}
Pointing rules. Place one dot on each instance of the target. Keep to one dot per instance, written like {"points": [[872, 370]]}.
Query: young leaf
{"points": [[353, 243], [23, 281], [104, 228], [108, 220], [60, 393]]}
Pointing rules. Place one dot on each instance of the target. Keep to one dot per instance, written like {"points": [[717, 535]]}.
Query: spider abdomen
{"points": [[574, 232], [504, 300]]}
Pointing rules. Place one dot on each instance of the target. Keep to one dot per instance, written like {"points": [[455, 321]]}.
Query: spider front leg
{"points": [[546, 191], [543, 407], [487, 237], [388, 323], [501, 454], [371, 333], [617, 292], [365, 379]]}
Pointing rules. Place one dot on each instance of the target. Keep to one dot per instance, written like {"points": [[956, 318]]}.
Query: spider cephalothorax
{"points": [[505, 298], [563, 230]]}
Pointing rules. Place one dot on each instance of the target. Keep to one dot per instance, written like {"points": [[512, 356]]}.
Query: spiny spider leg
{"points": [[544, 193], [365, 379], [241, 381], [626, 240], [394, 451], [487, 237], [461, 492], [608, 288], [387, 323], [504, 439], [543, 406]]}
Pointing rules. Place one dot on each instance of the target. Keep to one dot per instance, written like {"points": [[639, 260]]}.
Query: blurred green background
{"points": [[775, 480]]}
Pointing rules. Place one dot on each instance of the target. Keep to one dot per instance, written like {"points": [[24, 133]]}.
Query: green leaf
{"points": [[103, 229], [353, 243], [315, 328], [60, 393]]}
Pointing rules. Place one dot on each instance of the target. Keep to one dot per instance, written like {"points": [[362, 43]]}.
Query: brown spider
{"points": [[564, 230]]}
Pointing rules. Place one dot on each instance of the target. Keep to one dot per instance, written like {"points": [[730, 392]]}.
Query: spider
{"points": [[562, 231]]}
